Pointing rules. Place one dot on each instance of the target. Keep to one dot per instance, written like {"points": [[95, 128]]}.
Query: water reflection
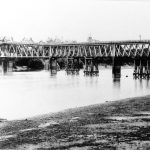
{"points": [[53, 72], [141, 83], [147, 83], [116, 82], [91, 81]]}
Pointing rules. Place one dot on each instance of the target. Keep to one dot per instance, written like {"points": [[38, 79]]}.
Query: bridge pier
{"points": [[148, 68], [116, 67], [53, 63], [46, 64], [91, 67], [6, 66], [53, 66], [141, 68], [72, 66]]}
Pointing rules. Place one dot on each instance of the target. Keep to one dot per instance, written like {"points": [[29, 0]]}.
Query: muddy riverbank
{"points": [[123, 124]]}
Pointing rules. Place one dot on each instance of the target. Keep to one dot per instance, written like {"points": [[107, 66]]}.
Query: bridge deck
{"points": [[80, 43]]}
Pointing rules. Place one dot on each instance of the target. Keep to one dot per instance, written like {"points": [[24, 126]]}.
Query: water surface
{"points": [[25, 94]]}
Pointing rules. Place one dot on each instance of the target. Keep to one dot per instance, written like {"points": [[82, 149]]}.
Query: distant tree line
{"points": [[30, 63], [38, 64]]}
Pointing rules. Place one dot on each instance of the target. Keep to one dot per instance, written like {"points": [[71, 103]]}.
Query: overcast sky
{"points": [[75, 19]]}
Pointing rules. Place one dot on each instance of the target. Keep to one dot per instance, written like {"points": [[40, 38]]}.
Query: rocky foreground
{"points": [[123, 124]]}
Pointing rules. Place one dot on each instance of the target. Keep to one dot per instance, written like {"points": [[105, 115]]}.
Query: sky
{"points": [[104, 20]]}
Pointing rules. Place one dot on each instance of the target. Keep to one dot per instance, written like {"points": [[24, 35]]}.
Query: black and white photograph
{"points": [[74, 74]]}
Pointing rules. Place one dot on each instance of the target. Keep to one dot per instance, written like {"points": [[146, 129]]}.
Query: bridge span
{"points": [[139, 50], [101, 49]]}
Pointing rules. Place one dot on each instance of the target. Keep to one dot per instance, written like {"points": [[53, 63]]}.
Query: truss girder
{"points": [[100, 50]]}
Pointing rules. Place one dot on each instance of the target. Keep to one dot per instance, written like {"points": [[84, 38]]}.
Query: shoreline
{"points": [[80, 107], [122, 124]]}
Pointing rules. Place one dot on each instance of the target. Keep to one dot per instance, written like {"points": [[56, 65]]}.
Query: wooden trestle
{"points": [[91, 67], [142, 68]]}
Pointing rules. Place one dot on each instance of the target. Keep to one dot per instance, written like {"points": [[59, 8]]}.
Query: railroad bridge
{"points": [[138, 50]]}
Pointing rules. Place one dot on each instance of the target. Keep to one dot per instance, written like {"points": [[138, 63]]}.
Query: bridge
{"points": [[101, 49], [137, 50]]}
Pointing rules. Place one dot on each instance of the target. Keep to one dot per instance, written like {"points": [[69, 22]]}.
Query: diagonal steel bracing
{"points": [[101, 49]]}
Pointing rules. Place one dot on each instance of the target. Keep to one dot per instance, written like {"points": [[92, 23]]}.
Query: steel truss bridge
{"points": [[88, 50]]}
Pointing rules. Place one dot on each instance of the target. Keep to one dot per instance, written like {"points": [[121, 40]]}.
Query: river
{"points": [[26, 94]]}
